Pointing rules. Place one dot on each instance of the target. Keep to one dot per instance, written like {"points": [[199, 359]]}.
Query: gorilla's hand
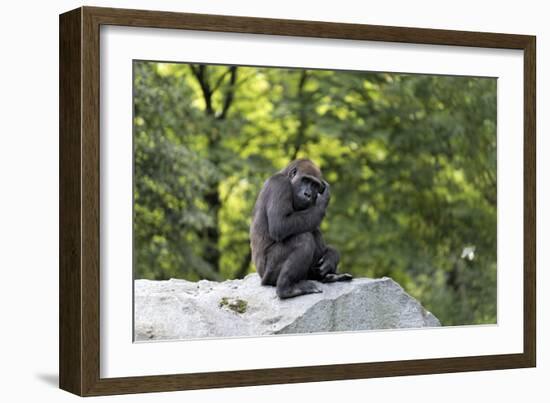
{"points": [[325, 271], [326, 266], [324, 197]]}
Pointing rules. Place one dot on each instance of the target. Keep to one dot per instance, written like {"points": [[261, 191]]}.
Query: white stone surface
{"points": [[180, 309]]}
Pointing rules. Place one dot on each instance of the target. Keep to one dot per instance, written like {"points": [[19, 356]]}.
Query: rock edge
{"points": [[180, 309]]}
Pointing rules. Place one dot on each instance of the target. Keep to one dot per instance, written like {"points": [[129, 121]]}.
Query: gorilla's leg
{"points": [[271, 273], [292, 280]]}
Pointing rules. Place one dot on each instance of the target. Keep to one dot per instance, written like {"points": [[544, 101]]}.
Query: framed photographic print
{"points": [[249, 201]]}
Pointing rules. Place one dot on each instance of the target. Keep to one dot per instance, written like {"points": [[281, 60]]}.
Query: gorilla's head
{"points": [[307, 182]]}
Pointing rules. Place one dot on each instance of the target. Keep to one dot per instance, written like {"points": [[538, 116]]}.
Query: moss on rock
{"points": [[235, 304]]}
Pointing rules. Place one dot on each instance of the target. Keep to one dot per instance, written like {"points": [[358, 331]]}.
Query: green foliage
{"points": [[411, 160]]}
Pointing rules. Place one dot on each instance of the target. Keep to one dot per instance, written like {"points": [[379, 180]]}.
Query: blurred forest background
{"points": [[411, 160]]}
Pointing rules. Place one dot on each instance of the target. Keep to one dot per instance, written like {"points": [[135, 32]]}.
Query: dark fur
{"points": [[287, 246]]}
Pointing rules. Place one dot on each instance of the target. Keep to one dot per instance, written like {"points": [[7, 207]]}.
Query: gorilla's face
{"points": [[305, 190]]}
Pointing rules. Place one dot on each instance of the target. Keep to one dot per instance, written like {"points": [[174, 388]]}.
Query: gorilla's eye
{"points": [[312, 184]]}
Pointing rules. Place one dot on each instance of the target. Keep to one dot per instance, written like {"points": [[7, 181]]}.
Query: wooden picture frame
{"points": [[79, 280]]}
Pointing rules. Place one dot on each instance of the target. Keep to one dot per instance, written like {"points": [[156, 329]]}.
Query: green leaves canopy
{"points": [[411, 160]]}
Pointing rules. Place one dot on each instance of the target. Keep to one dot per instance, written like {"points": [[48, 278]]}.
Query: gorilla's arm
{"points": [[282, 220]]}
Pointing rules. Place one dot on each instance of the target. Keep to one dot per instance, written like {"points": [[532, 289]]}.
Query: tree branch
{"points": [[229, 95], [220, 80], [302, 123], [200, 74]]}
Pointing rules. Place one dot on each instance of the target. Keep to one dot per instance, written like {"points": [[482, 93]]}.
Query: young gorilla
{"points": [[287, 246]]}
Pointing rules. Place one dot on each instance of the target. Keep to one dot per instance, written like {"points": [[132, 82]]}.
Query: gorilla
{"points": [[287, 246]]}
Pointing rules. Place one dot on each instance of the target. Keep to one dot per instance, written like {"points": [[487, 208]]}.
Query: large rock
{"points": [[180, 309]]}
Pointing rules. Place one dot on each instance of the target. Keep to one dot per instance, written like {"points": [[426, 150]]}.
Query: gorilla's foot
{"points": [[301, 288], [334, 277]]}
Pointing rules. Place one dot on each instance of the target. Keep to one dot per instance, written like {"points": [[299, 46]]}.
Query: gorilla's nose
{"points": [[307, 194]]}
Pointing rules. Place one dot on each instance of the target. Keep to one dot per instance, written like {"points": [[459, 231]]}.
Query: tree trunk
{"points": [[302, 116], [212, 197]]}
